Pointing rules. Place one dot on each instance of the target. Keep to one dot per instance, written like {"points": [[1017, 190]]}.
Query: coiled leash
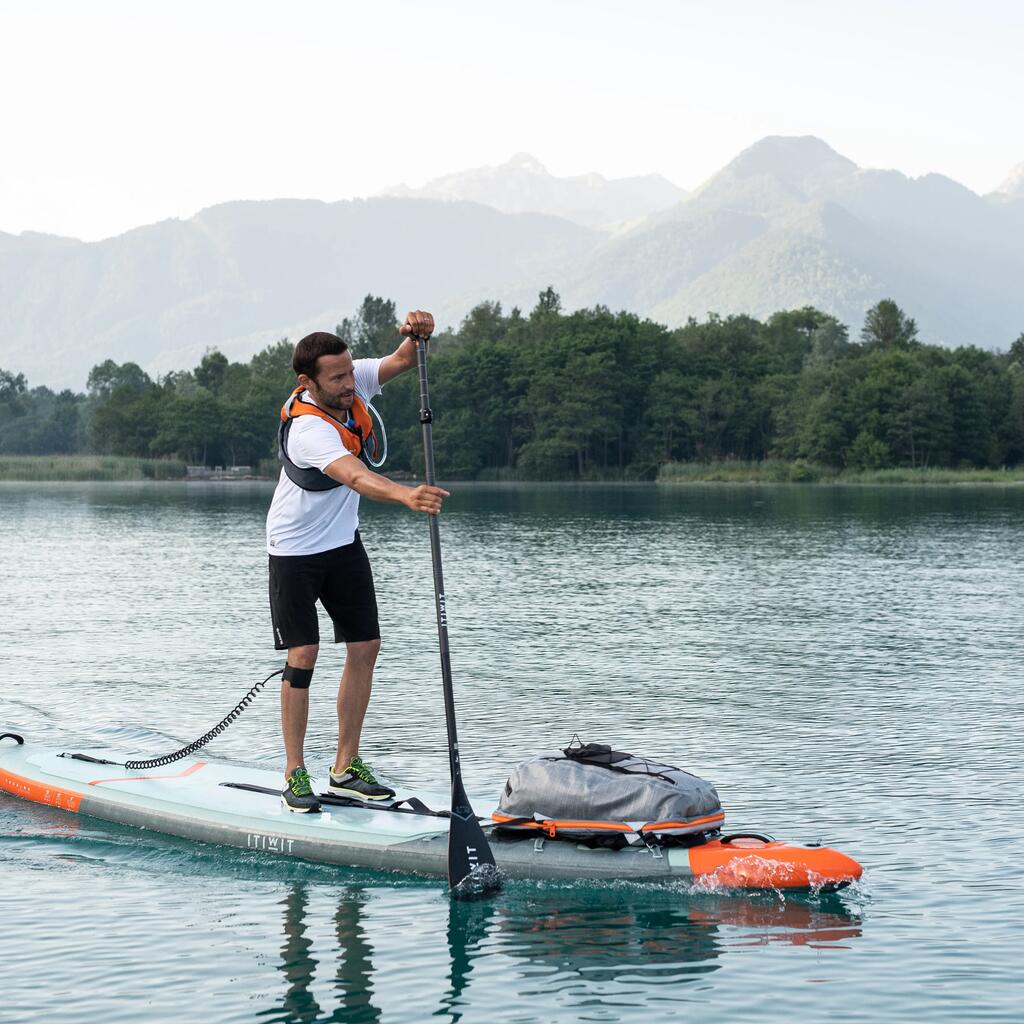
{"points": [[191, 748]]}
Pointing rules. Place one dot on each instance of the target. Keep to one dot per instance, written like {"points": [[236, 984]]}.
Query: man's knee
{"points": [[298, 672], [303, 657], [364, 652]]}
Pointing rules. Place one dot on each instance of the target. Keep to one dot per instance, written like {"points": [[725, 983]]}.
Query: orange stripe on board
{"points": [[39, 792], [142, 778]]}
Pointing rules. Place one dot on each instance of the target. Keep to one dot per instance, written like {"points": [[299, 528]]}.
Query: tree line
{"points": [[585, 395]]}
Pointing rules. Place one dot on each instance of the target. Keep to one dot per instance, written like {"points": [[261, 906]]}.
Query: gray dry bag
{"points": [[589, 792]]}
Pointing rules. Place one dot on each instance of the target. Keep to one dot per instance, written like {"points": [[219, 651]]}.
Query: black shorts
{"points": [[340, 579]]}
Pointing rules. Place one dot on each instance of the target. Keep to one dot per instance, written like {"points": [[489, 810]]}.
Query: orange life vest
{"points": [[354, 438]]}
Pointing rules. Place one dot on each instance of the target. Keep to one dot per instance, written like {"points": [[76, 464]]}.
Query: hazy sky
{"points": [[120, 114]]}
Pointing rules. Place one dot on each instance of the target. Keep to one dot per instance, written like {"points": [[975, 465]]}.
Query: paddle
{"points": [[471, 870]]}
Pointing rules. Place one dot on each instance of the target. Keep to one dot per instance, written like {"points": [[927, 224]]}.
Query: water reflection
{"points": [[353, 980], [469, 925], [598, 944]]}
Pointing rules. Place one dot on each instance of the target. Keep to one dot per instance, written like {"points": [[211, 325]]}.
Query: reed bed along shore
{"points": [[777, 471], [88, 467]]}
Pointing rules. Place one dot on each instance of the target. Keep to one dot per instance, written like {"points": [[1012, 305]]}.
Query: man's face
{"points": [[335, 382]]}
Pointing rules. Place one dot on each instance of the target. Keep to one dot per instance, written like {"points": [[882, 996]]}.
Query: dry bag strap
{"points": [[552, 828], [516, 822], [595, 753], [601, 755]]}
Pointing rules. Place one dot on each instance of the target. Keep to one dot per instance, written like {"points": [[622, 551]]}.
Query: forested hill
{"points": [[238, 275], [585, 395]]}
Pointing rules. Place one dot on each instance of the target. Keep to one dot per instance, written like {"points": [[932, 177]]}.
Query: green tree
{"points": [[879, 399], [973, 442], [887, 326], [786, 340], [719, 403], [12, 394], [48, 424], [483, 322], [122, 409], [1012, 427], [36, 421], [271, 372], [822, 433], [107, 377], [12, 385], [829, 344], [190, 425], [1017, 351], [868, 452], [672, 417], [373, 331], [549, 303], [927, 420], [211, 371]]}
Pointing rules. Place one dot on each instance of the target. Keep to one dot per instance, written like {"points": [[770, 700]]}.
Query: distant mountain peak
{"points": [[795, 158], [1013, 186], [808, 146], [525, 162], [774, 173], [524, 185]]}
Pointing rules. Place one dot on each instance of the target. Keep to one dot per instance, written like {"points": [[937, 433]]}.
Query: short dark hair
{"points": [[312, 347]]}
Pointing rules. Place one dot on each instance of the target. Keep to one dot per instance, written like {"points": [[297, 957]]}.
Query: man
{"points": [[315, 550]]}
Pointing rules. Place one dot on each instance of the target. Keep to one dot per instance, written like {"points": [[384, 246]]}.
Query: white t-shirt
{"points": [[304, 522]]}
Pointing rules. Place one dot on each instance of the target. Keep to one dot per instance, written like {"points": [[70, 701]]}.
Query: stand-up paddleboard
{"points": [[219, 803]]}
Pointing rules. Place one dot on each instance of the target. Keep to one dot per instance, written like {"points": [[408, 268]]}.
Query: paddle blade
{"points": [[471, 871]]}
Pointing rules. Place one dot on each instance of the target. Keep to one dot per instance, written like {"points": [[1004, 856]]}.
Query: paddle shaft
{"points": [[471, 870], [426, 418]]}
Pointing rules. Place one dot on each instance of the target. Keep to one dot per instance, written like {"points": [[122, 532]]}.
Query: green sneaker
{"points": [[299, 795], [358, 781]]}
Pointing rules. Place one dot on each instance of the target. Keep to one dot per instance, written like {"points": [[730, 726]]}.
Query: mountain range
{"points": [[788, 222], [523, 185]]}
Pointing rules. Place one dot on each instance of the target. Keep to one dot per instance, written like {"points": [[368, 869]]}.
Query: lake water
{"points": [[845, 664]]}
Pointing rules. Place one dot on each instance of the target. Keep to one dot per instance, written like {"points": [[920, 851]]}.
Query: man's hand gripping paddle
{"points": [[471, 870]]}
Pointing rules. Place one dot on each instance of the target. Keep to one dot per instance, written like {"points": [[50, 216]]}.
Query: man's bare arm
{"points": [[348, 470], [402, 359], [418, 323]]}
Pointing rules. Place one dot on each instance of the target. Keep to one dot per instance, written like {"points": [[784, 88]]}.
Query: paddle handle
{"points": [[426, 420]]}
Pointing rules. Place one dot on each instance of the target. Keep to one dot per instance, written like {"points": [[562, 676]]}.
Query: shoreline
{"points": [[36, 469]]}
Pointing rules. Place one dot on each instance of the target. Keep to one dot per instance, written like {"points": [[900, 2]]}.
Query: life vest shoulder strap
{"points": [[353, 439]]}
